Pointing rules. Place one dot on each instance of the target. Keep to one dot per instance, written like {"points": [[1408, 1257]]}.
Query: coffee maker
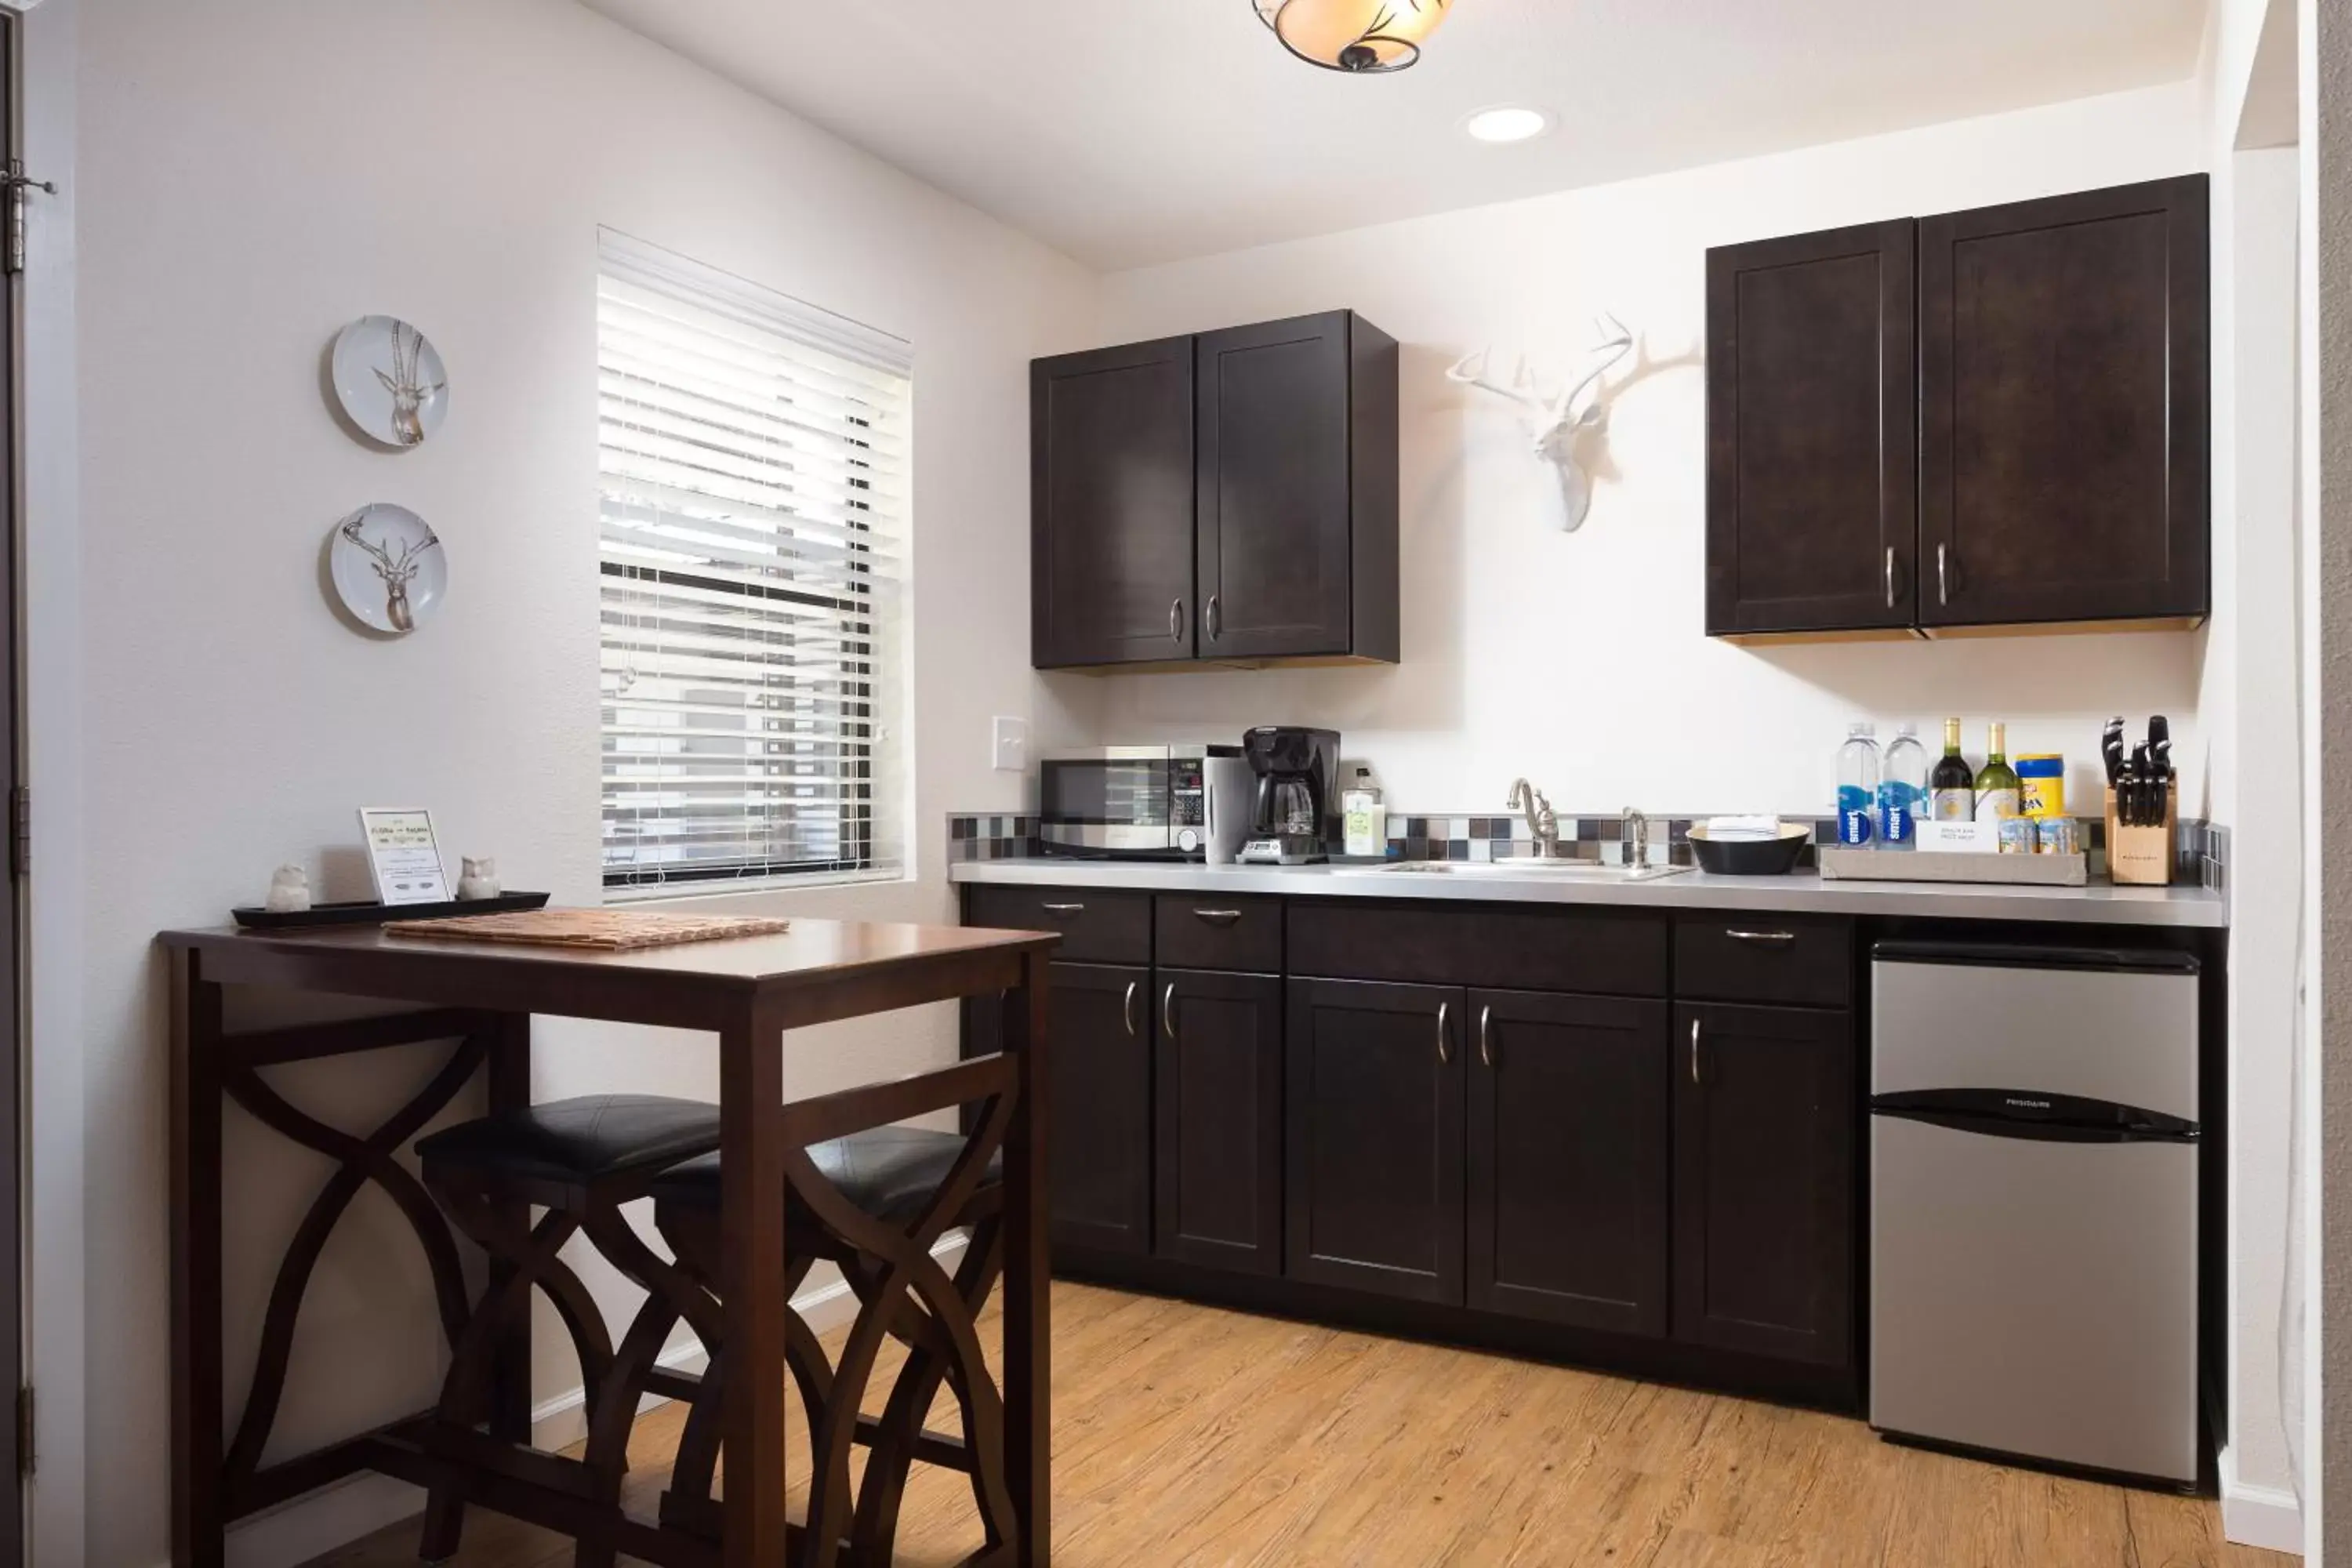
{"points": [[1297, 795]]}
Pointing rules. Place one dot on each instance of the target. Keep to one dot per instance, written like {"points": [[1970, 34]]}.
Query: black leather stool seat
{"points": [[584, 1140], [890, 1172]]}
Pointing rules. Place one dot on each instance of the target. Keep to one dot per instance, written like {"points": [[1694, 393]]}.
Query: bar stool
{"points": [[874, 1202], [580, 1159]]}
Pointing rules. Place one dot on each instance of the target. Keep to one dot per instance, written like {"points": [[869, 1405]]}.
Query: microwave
{"points": [[1128, 802]]}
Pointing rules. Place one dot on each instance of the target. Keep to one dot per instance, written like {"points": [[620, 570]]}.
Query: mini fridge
{"points": [[2034, 1166]]}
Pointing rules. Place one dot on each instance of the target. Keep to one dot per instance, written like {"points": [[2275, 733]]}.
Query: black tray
{"points": [[371, 913]]}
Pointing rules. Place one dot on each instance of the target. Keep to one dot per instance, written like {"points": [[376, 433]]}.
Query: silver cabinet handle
{"points": [[1175, 620], [1445, 1044], [1486, 1036], [1219, 917], [1694, 1051], [1063, 908], [1771, 936], [1216, 622], [1943, 577], [1168, 1009], [1890, 576], [1126, 1009]]}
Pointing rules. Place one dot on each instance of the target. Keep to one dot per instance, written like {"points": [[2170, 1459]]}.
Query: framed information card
{"points": [[403, 856]]}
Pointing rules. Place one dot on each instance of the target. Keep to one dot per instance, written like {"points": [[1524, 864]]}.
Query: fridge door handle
{"points": [[2035, 1116]]}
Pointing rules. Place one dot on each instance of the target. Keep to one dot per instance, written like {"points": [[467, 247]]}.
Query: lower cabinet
{"points": [[1374, 1079], [1764, 1181], [1569, 1140], [1217, 1119], [1098, 1151]]}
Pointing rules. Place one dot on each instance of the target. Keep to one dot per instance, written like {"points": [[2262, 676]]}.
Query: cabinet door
{"points": [[1764, 1222], [2063, 408], [1098, 1062], [1217, 1113], [1111, 505], [1568, 1178], [1372, 1117], [1811, 513], [1274, 501]]}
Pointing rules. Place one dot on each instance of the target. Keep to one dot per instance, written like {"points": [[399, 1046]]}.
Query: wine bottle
{"points": [[1952, 787], [1997, 792]]}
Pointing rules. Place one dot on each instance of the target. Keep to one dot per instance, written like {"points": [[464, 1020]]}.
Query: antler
{"points": [[1615, 342], [1470, 370], [351, 530]]}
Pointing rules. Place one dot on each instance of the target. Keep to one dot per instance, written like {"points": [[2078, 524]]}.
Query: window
{"points": [[752, 479]]}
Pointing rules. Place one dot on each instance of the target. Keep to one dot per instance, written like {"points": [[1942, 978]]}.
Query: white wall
{"points": [[1578, 659], [250, 178]]}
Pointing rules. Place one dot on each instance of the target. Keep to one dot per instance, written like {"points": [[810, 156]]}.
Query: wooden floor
{"points": [[1188, 1436]]}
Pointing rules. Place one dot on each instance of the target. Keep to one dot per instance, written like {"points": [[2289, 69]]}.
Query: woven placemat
{"points": [[603, 930]]}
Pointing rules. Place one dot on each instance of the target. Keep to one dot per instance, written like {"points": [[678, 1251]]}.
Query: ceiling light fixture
{"points": [[1363, 37], [1506, 123]]}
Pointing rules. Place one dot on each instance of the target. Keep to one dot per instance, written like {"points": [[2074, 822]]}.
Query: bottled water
{"points": [[1902, 788], [1857, 783]]}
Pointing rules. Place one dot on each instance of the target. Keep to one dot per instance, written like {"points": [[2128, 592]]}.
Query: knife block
{"points": [[2143, 856]]}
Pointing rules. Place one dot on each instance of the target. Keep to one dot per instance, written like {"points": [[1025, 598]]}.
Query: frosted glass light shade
{"points": [[1361, 35]]}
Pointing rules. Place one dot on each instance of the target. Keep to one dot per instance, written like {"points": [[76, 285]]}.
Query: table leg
{"points": [[751, 1234], [197, 1528], [1028, 1284], [510, 1085]]}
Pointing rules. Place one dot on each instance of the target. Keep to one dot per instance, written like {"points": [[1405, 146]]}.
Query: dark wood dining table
{"points": [[479, 997]]}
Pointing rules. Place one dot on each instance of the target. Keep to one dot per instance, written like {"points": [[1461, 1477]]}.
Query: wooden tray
{"points": [[367, 912], [600, 930], [1839, 864]]}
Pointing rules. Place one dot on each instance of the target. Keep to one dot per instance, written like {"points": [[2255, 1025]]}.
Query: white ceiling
{"points": [[1131, 132]]}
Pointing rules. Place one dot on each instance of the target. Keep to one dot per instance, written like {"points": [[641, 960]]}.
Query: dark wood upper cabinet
{"points": [[1811, 501], [1372, 1112], [1295, 536], [1098, 1165], [1257, 523], [2063, 430], [1765, 1113], [1217, 1051], [1987, 420], [1111, 505], [1568, 1134]]}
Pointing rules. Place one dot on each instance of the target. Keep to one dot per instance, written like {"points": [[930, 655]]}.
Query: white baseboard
{"points": [[2267, 1517], [338, 1515]]}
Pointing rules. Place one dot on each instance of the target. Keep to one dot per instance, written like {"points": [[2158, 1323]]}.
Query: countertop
{"points": [[1802, 893]]}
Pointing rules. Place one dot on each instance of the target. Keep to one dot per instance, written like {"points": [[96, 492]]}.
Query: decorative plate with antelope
{"points": [[388, 568], [389, 381]]}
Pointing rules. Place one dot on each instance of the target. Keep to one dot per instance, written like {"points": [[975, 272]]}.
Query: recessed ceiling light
{"points": [[1506, 123]]}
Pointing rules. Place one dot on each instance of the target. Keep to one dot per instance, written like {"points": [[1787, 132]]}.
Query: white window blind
{"points": [[754, 478]]}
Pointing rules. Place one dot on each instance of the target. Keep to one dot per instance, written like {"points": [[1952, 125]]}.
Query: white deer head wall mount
{"points": [[405, 384], [1554, 425]]}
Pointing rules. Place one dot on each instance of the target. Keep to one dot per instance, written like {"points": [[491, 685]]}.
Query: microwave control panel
{"points": [[1188, 799]]}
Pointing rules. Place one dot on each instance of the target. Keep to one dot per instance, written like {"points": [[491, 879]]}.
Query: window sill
{"points": [[704, 892]]}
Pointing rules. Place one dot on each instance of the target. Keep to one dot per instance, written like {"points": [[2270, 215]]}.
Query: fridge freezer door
{"points": [[2035, 1298]]}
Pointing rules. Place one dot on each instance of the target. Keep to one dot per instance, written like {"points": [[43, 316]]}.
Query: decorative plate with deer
{"points": [[389, 381], [388, 568]]}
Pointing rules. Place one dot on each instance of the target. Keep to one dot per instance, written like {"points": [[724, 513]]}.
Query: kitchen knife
{"points": [[2111, 747], [2139, 778]]}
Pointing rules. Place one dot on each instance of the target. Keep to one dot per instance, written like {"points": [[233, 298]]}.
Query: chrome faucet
{"points": [[1635, 833], [1541, 822]]}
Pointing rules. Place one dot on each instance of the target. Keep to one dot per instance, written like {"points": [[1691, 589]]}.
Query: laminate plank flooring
{"points": [[1193, 1437]]}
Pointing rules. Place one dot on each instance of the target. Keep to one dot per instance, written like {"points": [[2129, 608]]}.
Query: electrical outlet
{"points": [[1009, 745]]}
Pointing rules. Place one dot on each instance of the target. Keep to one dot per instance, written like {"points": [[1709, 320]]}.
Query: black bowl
{"points": [[1751, 856]]}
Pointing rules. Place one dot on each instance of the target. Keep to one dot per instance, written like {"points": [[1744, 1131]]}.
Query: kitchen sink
{"points": [[1531, 870]]}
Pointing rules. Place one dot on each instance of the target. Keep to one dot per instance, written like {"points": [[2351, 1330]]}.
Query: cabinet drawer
{"points": [[1096, 926], [1797, 963], [1446, 943], [1215, 931]]}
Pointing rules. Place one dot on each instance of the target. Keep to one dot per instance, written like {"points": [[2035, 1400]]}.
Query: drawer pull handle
{"points": [[1168, 1009], [1219, 917], [1693, 1051], [1175, 620], [1486, 1036], [1126, 1009], [1890, 576], [1774, 937], [1444, 1042], [1063, 908]]}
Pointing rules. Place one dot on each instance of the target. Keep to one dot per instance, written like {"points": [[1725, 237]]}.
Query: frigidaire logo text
{"points": [[2027, 1104]]}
